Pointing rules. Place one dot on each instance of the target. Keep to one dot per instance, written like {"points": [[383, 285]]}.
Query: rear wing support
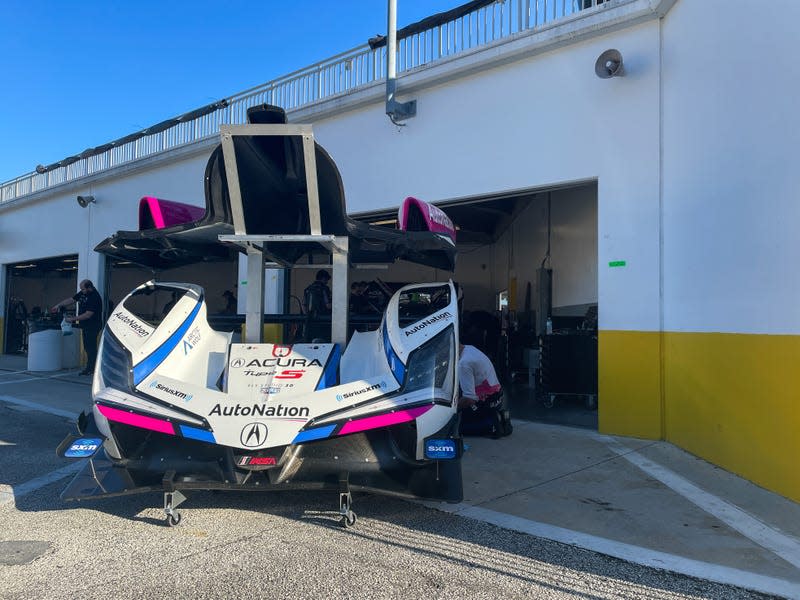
{"points": [[255, 244]]}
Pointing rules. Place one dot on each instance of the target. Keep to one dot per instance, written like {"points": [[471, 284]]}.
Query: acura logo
{"points": [[279, 351], [237, 362], [253, 435]]}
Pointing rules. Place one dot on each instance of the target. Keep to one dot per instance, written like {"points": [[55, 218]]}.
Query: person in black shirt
{"points": [[88, 317], [317, 302]]}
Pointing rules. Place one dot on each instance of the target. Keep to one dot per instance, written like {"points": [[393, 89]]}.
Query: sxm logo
{"points": [[441, 449], [83, 447]]}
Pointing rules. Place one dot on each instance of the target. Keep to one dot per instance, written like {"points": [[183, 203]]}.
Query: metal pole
{"points": [[391, 42], [254, 316], [397, 111]]}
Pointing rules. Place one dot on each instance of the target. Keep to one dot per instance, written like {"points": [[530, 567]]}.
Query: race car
{"points": [[178, 406]]}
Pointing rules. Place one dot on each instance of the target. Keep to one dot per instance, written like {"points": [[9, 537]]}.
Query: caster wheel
{"points": [[173, 519], [549, 401], [349, 520]]}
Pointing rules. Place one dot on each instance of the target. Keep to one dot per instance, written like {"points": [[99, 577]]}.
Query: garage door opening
{"points": [[527, 262], [32, 288]]}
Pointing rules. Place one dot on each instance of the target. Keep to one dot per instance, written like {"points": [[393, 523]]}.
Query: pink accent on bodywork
{"points": [[122, 416], [394, 418], [435, 218], [166, 213]]}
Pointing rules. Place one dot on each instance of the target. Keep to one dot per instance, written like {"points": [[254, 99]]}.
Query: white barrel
{"points": [[44, 350]]}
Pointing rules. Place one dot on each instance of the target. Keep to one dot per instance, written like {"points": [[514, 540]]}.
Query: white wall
{"points": [[731, 137], [55, 225]]}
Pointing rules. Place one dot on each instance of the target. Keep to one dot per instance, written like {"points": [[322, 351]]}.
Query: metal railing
{"points": [[333, 77]]}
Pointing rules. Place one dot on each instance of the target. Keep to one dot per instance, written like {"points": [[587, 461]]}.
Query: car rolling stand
{"points": [[172, 499], [349, 518]]}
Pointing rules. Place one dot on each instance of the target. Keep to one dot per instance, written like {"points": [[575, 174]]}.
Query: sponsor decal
{"points": [[285, 374], [134, 325], [284, 362], [171, 391], [270, 389], [290, 374], [441, 449], [250, 373], [256, 461], [372, 388], [279, 351], [83, 447], [439, 217], [259, 410], [430, 321], [191, 340], [236, 363], [253, 435]]}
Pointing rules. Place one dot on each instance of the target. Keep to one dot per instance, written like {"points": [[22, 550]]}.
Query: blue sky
{"points": [[78, 74]]}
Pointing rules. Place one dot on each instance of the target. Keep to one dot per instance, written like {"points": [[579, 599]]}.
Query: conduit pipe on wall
{"points": [[396, 111]]}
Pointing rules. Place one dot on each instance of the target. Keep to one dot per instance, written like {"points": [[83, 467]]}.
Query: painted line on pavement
{"points": [[43, 378], [628, 552], [785, 546], [9, 493], [40, 407]]}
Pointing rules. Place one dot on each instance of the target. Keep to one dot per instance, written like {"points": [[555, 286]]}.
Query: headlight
{"points": [[432, 366]]}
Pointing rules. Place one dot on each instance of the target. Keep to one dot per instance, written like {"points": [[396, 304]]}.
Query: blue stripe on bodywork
{"points": [[395, 364], [317, 433], [149, 364], [198, 434], [328, 378]]}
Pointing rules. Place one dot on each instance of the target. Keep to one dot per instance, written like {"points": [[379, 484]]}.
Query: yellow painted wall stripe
{"points": [[732, 399], [629, 387]]}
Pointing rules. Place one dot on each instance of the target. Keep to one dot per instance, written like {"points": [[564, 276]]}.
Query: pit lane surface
{"points": [[285, 545]]}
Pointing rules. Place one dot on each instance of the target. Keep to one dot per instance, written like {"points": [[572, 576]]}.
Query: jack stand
{"points": [[171, 501], [346, 502]]}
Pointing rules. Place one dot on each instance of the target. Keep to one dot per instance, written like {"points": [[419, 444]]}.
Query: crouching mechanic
{"points": [[481, 402]]}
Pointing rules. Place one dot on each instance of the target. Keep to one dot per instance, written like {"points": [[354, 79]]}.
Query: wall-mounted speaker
{"points": [[609, 64]]}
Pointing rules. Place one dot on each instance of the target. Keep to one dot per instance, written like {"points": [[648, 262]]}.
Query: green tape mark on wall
{"points": [[617, 263]]}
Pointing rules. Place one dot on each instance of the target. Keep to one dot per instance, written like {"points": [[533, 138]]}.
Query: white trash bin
{"points": [[44, 350], [71, 351]]}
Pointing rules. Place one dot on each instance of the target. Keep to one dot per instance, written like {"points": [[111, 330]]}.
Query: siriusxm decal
{"points": [[171, 391], [441, 449], [372, 388], [83, 447]]}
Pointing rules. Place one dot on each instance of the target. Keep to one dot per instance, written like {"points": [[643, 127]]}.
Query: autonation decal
{"points": [[137, 327], [423, 324], [260, 410]]}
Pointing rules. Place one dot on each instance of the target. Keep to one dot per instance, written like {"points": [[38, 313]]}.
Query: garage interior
{"points": [[522, 257], [32, 287]]}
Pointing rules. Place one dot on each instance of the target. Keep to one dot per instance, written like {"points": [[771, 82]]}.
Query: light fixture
{"points": [[84, 201]]}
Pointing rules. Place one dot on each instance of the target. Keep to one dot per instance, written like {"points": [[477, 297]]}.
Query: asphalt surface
{"points": [[285, 545]]}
